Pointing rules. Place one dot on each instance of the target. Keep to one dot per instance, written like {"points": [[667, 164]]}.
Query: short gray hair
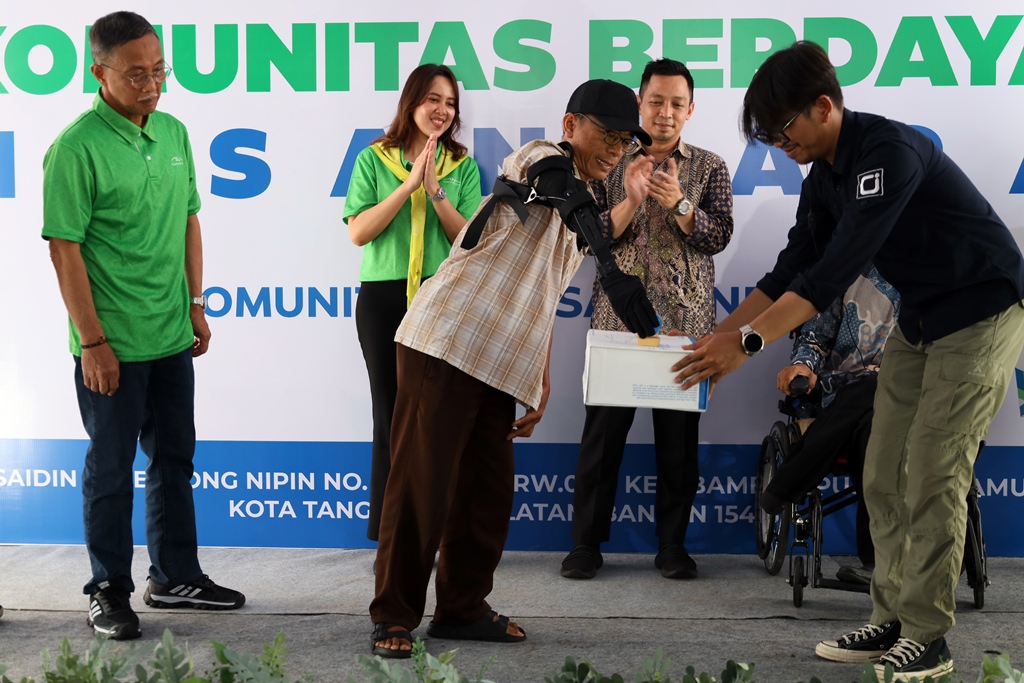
{"points": [[114, 30]]}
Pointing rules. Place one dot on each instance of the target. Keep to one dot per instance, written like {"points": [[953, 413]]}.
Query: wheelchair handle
{"points": [[800, 385]]}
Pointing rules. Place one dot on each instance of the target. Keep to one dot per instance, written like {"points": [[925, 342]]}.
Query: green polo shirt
{"points": [[125, 194], [386, 257]]}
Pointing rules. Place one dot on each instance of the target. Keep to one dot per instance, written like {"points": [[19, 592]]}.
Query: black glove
{"points": [[629, 301]]}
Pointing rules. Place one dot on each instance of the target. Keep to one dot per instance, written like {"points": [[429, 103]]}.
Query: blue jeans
{"points": [[153, 405]]}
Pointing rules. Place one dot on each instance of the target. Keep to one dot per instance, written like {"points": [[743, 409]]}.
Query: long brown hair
{"points": [[403, 129]]}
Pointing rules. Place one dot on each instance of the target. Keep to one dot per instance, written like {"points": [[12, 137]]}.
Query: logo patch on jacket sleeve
{"points": [[869, 184]]}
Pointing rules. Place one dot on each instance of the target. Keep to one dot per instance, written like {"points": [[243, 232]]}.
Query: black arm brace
{"points": [[551, 182]]}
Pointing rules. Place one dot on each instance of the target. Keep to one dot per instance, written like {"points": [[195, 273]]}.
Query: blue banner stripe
{"points": [[312, 494]]}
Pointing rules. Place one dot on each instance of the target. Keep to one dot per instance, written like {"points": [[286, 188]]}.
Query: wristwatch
{"points": [[682, 208], [199, 301], [441, 194], [753, 342]]}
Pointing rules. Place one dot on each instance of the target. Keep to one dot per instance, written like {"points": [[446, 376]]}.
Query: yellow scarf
{"points": [[392, 159]]}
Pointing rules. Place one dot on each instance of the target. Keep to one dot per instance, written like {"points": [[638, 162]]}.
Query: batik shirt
{"points": [[846, 340], [677, 269]]}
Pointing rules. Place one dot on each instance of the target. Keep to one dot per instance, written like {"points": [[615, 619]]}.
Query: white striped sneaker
{"points": [[202, 593], [111, 614]]}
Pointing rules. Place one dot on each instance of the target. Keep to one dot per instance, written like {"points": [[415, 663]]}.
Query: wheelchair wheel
{"points": [[772, 530], [974, 553], [817, 536], [776, 555], [798, 579], [762, 520]]}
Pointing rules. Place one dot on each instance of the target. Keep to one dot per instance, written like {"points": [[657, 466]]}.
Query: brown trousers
{"points": [[450, 488]]}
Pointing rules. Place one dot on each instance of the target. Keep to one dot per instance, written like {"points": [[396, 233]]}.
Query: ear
{"points": [[568, 125], [689, 112], [639, 101], [827, 107], [98, 72]]}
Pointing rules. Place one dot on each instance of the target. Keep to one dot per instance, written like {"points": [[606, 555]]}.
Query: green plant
{"points": [[654, 670], [425, 667], [998, 670], [105, 661]]}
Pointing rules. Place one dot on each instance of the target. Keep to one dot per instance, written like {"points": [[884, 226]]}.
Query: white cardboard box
{"points": [[620, 372]]}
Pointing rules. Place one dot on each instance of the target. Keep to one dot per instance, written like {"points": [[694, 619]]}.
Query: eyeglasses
{"points": [[761, 135], [140, 81], [610, 136]]}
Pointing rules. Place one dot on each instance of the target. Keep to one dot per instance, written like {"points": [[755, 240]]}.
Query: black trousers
{"points": [[597, 472], [380, 308], [840, 429]]}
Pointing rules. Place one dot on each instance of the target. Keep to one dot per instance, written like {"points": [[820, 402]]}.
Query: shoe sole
{"points": [[941, 669], [679, 573], [838, 654], [578, 574], [123, 632], [174, 602]]}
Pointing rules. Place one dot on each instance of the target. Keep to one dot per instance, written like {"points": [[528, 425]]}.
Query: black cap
{"points": [[611, 103]]}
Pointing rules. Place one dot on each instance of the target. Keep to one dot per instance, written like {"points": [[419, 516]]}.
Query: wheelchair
{"points": [[805, 519]]}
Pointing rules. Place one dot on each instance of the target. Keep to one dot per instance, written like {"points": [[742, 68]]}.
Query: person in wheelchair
{"points": [[838, 351]]}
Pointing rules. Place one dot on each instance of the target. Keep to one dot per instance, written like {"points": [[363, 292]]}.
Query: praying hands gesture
{"points": [[424, 170]]}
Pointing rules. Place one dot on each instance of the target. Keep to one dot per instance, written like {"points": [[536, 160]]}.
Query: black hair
{"points": [[787, 83], [114, 30], [665, 67]]}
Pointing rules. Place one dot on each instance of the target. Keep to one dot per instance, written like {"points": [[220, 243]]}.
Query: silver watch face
{"points": [[199, 300], [683, 207], [441, 194], [753, 342]]}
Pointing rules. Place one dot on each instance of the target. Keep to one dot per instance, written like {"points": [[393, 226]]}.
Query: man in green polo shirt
{"points": [[120, 212]]}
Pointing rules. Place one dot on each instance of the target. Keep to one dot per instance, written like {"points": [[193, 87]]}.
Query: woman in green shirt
{"points": [[411, 193]]}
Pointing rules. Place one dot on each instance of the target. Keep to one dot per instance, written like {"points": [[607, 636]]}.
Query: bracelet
{"points": [[101, 342]]}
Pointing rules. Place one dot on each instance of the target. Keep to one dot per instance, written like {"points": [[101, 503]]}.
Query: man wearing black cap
{"points": [[474, 343], [672, 213]]}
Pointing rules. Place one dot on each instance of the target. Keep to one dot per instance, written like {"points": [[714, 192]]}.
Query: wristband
{"points": [[101, 342]]}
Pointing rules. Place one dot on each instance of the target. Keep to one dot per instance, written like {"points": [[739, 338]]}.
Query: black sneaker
{"points": [[675, 563], [582, 562], [911, 659], [111, 614], [866, 644], [199, 594]]}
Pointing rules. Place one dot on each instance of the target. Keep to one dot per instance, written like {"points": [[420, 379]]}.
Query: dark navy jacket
{"points": [[892, 197]]}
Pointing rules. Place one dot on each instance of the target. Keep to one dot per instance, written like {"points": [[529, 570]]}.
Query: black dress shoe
{"points": [[582, 562], [675, 563]]}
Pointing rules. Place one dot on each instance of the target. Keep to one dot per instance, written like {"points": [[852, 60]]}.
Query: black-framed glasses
{"points": [[140, 81], [610, 136], [761, 135]]}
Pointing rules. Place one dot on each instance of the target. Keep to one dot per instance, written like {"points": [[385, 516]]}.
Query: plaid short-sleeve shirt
{"points": [[489, 310]]}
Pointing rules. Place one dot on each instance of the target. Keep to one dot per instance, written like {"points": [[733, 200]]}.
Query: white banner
{"points": [[280, 97]]}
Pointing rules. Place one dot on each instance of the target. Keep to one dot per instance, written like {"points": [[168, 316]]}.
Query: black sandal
{"points": [[492, 627], [381, 633]]}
